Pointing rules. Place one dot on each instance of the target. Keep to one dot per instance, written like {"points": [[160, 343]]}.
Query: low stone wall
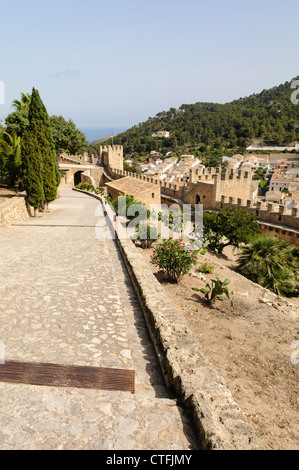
{"points": [[219, 421], [12, 211]]}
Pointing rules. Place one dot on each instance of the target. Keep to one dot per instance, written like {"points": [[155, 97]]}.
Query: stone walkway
{"points": [[66, 298]]}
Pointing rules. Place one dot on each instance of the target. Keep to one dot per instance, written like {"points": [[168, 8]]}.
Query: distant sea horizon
{"points": [[95, 133]]}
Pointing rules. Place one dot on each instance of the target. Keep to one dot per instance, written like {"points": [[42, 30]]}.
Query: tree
{"points": [[264, 187], [232, 226], [32, 168], [67, 138], [17, 122], [23, 104], [43, 133], [10, 156]]}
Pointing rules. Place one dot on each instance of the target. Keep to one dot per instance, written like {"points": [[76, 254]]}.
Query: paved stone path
{"points": [[66, 298]]}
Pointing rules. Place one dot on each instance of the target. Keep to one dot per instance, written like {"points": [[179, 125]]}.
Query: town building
{"points": [[143, 191], [162, 134]]}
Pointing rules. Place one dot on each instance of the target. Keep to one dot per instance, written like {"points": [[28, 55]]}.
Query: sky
{"points": [[115, 63]]}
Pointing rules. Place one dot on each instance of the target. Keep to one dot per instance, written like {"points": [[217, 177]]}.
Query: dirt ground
{"points": [[250, 345]]}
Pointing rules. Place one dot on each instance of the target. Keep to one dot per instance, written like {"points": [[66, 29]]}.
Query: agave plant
{"points": [[216, 291]]}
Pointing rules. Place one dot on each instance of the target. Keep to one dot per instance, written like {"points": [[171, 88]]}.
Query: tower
{"points": [[112, 156]]}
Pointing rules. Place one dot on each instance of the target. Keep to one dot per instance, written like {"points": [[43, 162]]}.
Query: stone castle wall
{"points": [[275, 222], [112, 156], [210, 188], [207, 189]]}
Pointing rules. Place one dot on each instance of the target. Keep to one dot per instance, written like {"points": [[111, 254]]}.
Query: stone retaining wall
{"points": [[12, 211], [219, 421]]}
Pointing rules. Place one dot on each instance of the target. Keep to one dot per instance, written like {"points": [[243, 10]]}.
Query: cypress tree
{"points": [[50, 173], [32, 168]]}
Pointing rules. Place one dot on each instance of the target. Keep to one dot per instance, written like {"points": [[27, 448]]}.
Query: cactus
{"points": [[216, 291]]}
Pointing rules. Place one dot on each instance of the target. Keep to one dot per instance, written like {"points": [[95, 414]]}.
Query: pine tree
{"points": [[32, 168], [50, 173]]}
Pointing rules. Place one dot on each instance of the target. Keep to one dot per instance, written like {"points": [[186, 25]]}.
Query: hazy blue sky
{"points": [[115, 63]]}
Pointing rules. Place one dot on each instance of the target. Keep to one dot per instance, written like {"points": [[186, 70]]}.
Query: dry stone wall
{"points": [[219, 421], [12, 211]]}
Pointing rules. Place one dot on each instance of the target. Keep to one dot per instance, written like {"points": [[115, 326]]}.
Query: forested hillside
{"points": [[210, 128]]}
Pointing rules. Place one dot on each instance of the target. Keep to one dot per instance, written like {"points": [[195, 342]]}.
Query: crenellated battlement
{"points": [[111, 148], [274, 220], [221, 173], [219, 189], [112, 157]]}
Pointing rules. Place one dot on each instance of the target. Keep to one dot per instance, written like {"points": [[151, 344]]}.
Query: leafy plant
{"points": [[175, 220], [128, 202], [146, 235], [271, 263], [206, 268], [174, 258], [10, 156], [216, 291], [100, 191], [214, 240], [231, 226], [86, 187]]}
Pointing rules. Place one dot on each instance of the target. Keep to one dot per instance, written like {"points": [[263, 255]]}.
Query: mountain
{"points": [[210, 129]]}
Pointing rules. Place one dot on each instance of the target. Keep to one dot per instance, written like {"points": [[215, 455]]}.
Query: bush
{"points": [[129, 201], [174, 258], [271, 263], [173, 219], [146, 235], [100, 191], [233, 226], [206, 268], [214, 240], [86, 187]]}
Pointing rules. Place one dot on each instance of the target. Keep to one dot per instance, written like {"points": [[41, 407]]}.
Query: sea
{"points": [[95, 133]]}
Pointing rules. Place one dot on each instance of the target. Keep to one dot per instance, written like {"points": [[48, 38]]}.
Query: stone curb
{"points": [[219, 421]]}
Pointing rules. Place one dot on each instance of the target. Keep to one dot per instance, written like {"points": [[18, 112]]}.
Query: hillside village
{"points": [[278, 171]]}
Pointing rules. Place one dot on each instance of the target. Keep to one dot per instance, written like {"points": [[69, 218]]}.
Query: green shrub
{"points": [[206, 268], [271, 263], [146, 235], [86, 187], [100, 191], [232, 226], [174, 258], [174, 220], [129, 201]]}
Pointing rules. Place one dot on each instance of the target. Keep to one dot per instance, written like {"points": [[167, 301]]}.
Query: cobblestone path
{"points": [[66, 298]]}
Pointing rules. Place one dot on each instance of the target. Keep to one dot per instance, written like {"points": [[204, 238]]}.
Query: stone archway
{"points": [[78, 177], [197, 199]]}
